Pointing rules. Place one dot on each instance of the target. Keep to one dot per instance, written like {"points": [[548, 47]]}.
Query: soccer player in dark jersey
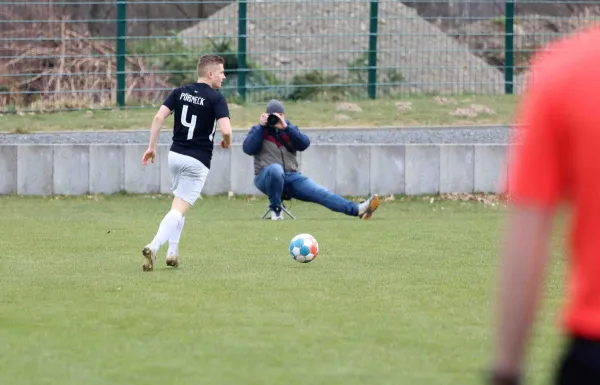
{"points": [[198, 109]]}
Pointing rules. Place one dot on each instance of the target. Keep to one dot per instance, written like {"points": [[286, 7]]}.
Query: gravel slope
{"points": [[453, 135], [329, 35]]}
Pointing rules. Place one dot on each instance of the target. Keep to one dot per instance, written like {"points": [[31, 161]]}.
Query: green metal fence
{"points": [[61, 55]]}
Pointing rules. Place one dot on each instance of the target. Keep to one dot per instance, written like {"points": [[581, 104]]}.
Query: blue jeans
{"points": [[274, 182]]}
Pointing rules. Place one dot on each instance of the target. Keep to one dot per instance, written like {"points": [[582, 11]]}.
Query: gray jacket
{"points": [[269, 145]]}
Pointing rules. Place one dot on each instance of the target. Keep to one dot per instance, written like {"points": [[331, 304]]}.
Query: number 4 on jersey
{"points": [[192, 124]]}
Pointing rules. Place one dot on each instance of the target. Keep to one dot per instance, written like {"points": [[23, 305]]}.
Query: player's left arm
{"points": [[536, 185], [163, 112], [157, 123]]}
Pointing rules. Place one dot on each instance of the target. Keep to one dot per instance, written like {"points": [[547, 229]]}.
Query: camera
{"points": [[272, 120]]}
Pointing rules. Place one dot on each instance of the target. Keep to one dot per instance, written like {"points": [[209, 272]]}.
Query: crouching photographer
{"points": [[274, 144]]}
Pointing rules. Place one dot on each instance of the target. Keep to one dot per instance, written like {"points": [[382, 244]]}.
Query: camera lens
{"points": [[272, 120]]}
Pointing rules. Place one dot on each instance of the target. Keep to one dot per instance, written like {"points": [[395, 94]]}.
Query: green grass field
{"points": [[424, 110], [401, 299]]}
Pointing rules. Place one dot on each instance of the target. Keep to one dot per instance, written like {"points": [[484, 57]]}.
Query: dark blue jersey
{"points": [[196, 108]]}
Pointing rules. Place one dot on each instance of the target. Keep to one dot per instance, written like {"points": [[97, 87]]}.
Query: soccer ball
{"points": [[304, 248]]}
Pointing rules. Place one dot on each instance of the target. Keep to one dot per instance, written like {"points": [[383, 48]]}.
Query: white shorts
{"points": [[189, 176]]}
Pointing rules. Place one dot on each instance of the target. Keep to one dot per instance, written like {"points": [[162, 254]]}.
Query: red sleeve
{"points": [[537, 174]]}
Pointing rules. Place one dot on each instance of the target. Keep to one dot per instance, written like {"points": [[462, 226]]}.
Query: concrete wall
{"points": [[346, 169]]}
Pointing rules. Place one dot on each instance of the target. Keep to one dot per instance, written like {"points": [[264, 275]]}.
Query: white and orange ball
{"points": [[304, 248]]}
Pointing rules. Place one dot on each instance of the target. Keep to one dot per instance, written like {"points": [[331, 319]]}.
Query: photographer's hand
{"points": [[282, 125], [263, 119]]}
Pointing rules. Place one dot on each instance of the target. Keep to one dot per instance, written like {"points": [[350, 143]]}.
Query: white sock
{"points": [[174, 239], [167, 227]]}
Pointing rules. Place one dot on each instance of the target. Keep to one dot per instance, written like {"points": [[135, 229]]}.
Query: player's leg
{"points": [[173, 250], [189, 176], [270, 182], [169, 224], [188, 190], [305, 189], [171, 221]]}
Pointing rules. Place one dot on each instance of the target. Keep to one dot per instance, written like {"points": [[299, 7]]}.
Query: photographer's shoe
{"points": [[277, 215], [368, 207]]}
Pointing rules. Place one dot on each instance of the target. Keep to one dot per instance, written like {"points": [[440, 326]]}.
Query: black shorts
{"points": [[580, 363]]}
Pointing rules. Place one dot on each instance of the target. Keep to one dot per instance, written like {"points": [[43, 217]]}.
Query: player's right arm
{"points": [[537, 185], [223, 120], [226, 130]]}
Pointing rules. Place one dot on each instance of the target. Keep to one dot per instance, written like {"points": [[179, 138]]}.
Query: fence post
{"points": [[509, 44], [121, 52], [374, 10], [242, 18]]}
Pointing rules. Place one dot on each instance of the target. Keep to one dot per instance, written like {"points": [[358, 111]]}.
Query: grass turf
{"points": [[403, 298], [424, 110]]}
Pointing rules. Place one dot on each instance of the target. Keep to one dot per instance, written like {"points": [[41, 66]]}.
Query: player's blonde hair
{"points": [[207, 61]]}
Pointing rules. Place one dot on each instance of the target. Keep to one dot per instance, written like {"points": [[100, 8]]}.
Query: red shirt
{"points": [[559, 160]]}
